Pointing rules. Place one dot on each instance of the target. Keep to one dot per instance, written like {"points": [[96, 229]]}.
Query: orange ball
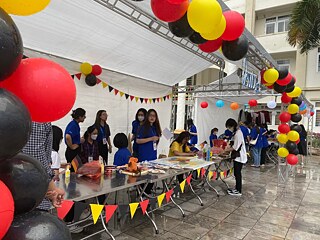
{"points": [[234, 106]]}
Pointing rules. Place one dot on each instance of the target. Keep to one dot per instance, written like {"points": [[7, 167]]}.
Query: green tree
{"points": [[304, 26]]}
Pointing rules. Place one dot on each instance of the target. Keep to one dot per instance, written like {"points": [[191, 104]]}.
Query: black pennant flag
{"points": [[110, 89], [154, 100], [79, 207], [141, 100], [127, 96]]}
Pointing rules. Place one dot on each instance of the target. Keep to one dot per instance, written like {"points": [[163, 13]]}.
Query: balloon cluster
{"points": [[220, 104], [30, 90], [204, 23], [91, 73]]}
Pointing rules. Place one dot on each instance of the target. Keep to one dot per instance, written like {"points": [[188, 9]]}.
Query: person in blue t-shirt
{"points": [[140, 117], [227, 134], [72, 134], [193, 132], [265, 144], [148, 136], [122, 156], [213, 136], [256, 133]]}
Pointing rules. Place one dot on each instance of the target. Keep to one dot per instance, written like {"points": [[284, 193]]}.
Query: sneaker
{"points": [[229, 190], [75, 229], [235, 193], [263, 165], [252, 165]]}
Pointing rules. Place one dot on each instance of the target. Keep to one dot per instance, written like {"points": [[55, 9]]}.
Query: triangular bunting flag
{"points": [[158, 99], [127, 96], [116, 91], [168, 195], [132, 97], [110, 89], [203, 172], [79, 207], [214, 175], [225, 174], [121, 94], [64, 209], [141, 100], [182, 185], [144, 204], [161, 99], [123, 209], [146, 100], [152, 203], [104, 85], [96, 209], [154, 100], [188, 179], [210, 174], [78, 75], [98, 81], [110, 209], [228, 172], [168, 96], [133, 208], [221, 174], [160, 199], [198, 171], [176, 190], [150, 100], [164, 98], [231, 170], [72, 76]]}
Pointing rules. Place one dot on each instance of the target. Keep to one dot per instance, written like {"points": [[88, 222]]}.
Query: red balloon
{"points": [[285, 81], [211, 46], [292, 159], [204, 104], [96, 70], [285, 98], [235, 25], [298, 141], [6, 209], [284, 128], [45, 87], [270, 87], [253, 102], [285, 117], [167, 11], [311, 114]]}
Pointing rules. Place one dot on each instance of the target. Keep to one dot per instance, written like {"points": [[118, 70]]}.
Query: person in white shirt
{"points": [[55, 157], [239, 155]]}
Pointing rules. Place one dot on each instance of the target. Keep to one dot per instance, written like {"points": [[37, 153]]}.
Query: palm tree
{"points": [[304, 26]]}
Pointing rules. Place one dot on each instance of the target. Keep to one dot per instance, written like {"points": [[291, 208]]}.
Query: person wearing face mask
{"points": [[140, 117], [90, 148]]}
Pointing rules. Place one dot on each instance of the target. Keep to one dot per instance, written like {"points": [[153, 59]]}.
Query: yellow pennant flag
{"points": [[96, 210], [121, 94], [221, 174], [231, 169], [210, 175], [198, 171], [137, 99], [104, 85], [160, 199], [150, 100], [133, 208], [182, 185]]}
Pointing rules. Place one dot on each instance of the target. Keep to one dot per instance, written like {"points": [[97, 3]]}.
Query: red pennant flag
{"points": [[158, 99], [110, 209], [203, 172], [131, 98], [78, 75], [225, 173], [188, 179], [144, 204], [168, 194], [168, 96], [116, 91], [98, 81], [146, 100], [214, 175], [64, 209]]}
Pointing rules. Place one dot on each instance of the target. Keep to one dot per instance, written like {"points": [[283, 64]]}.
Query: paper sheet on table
{"points": [[167, 134]]}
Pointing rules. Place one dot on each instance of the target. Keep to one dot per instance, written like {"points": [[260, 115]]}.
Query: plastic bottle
{"points": [[208, 156], [67, 173]]}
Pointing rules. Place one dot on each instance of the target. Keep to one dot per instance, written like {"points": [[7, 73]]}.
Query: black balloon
{"points": [[181, 28], [283, 72], [296, 117], [278, 88], [296, 127], [296, 100], [196, 38], [37, 225], [235, 50], [11, 47], [289, 89], [27, 180], [295, 152], [15, 125], [291, 146], [91, 80]]}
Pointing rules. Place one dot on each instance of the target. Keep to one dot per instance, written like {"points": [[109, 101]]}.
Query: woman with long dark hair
{"points": [[72, 134], [140, 117], [90, 149], [302, 145], [179, 146], [57, 136], [148, 137], [104, 134]]}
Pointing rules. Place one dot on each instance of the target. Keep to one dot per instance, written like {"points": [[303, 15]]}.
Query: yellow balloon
{"points": [[295, 93], [219, 30], [23, 7], [271, 75], [283, 152], [268, 84], [293, 108], [293, 136], [204, 15], [282, 138], [86, 68]]}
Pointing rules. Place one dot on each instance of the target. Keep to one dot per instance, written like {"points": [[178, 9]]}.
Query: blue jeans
{"points": [[256, 152]]}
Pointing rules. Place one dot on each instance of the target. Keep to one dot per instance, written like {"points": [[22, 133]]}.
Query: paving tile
{"points": [[250, 212], [202, 221], [175, 213], [256, 235], [189, 231], [169, 236], [294, 234], [213, 236], [271, 229], [240, 221], [230, 230], [214, 213], [191, 207]]}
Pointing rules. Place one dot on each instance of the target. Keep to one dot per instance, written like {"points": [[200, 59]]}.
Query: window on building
{"points": [[277, 24], [317, 114], [284, 63], [318, 60]]}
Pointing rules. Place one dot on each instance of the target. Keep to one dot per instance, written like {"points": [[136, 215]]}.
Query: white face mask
{"points": [[140, 118], [94, 137]]}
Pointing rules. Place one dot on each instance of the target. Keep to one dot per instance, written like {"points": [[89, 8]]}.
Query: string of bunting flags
{"points": [[126, 95], [96, 209]]}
